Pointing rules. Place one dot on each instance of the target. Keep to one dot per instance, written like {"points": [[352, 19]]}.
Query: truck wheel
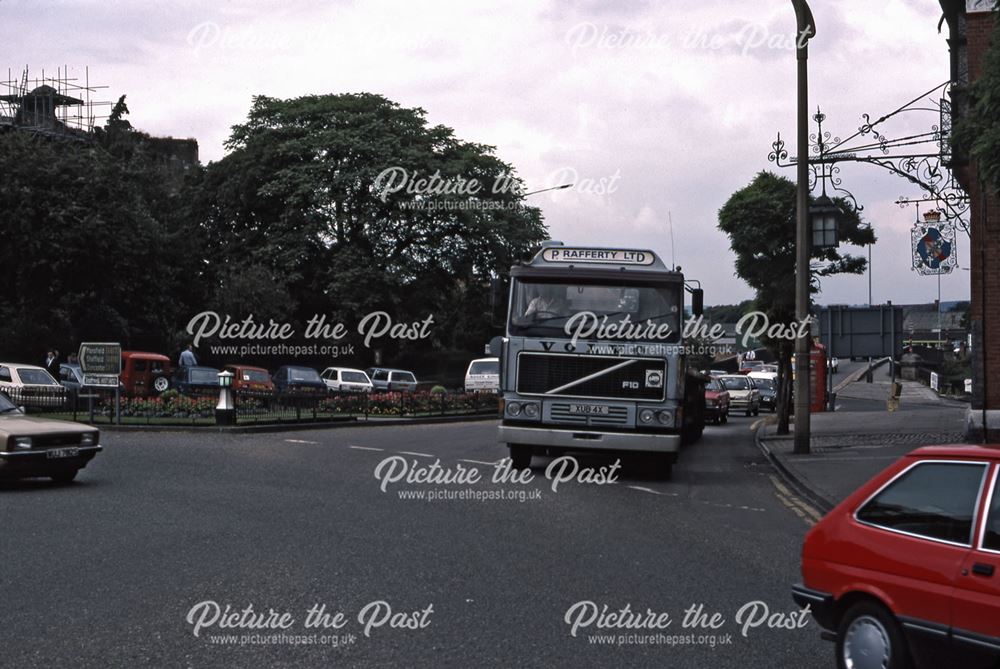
{"points": [[520, 456], [868, 635]]}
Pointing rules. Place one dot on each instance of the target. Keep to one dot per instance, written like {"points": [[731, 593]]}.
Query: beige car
{"points": [[32, 446]]}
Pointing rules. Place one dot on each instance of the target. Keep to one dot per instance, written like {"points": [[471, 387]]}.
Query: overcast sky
{"points": [[669, 105]]}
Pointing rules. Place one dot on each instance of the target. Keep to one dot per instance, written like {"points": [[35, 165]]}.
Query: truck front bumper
{"points": [[584, 440]]}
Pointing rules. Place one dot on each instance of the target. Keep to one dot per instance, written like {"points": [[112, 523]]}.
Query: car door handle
{"points": [[980, 569]]}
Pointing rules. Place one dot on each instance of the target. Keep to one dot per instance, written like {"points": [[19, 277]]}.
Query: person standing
{"points": [[52, 362], [188, 358]]}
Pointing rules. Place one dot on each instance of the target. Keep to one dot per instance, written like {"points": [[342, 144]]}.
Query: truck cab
{"points": [[593, 357]]}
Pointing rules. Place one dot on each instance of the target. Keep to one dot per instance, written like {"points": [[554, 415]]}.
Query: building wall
{"points": [[985, 253]]}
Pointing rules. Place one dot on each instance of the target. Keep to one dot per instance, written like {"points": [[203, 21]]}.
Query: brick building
{"points": [[971, 24]]}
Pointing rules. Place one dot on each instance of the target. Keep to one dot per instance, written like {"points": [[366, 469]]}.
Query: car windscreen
{"points": [[354, 377], [204, 376], [618, 313], [736, 383], [714, 386], [303, 374], [485, 367], [255, 376], [35, 377], [764, 384]]}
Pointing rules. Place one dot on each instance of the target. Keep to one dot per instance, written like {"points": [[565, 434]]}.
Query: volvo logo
{"points": [[654, 378]]}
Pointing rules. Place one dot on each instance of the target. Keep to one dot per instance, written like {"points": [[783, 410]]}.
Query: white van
{"points": [[483, 375], [346, 380]]}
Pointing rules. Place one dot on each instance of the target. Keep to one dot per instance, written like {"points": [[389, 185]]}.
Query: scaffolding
{"points": [[59, 105]]}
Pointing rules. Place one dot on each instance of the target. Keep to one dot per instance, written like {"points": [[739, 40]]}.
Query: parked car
{"points": [[346, 380], [246, 377], [742, 393], [767, 385], [31, 386], [33, 446], [482, 375], [145, 373], [398, 380], [196, 380], [301, 381], [751, 366], [906, 571], [716, 402], [71, 377]]}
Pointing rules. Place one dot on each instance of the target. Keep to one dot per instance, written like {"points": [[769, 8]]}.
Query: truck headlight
{"points": [[513, 409], [22, 443], [87, 439], [646, 416], [665, 417], [531, 410]]}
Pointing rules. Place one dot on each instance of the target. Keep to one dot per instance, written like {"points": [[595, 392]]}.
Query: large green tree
{"points": [[89, 248], [300, 199], [760, 222]]}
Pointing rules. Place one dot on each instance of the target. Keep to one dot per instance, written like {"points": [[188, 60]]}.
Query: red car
{"points": [[716, 402], [246, 377], [906, 571]]}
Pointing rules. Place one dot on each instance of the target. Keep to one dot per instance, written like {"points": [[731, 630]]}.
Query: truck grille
{"points": [[559, 412], [631, 378]]}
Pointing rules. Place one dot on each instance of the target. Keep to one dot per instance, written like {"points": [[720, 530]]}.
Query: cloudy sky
{"points": [[653, 109]]}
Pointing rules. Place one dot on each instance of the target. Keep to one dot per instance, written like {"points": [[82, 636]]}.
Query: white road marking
{"points": [[366, 448], [480, 462], [642, 489], [300, 441], [420, 455]]}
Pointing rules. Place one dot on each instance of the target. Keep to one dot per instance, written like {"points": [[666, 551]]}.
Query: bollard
{"points": [[225, 410]]}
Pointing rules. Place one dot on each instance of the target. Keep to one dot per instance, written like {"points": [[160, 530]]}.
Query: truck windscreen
{"points": [[596, 311]]}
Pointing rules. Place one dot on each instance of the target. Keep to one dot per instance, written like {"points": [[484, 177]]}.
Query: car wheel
{"points": [[520, 456], [161, 384], [725, 418], [870, 637], [64, 476]]}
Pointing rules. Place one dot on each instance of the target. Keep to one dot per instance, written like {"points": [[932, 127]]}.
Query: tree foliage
{"points": [[760, 222], [978, 135], [296, 199], [89, 248]]}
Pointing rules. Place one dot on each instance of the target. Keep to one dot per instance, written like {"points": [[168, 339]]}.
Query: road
{"points": [[106, 572]]}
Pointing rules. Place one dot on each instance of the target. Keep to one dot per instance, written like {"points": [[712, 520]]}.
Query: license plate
{"points": [[62, 453], [590, 409]]}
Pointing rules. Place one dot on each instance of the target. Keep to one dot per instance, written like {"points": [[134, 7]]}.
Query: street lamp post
{"points": [[806, 29]]}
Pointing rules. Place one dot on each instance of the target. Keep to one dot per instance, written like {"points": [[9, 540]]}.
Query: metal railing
{"points": [[197, 407]]}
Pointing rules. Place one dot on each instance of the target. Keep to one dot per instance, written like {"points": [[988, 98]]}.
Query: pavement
{"points": [[862, 437]]}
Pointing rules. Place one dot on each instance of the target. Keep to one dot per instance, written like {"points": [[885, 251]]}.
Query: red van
{"points": [[906, 571], [144, 373]]}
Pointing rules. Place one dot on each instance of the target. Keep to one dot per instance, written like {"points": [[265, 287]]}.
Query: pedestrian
{"points": [[52, 362], [187, 357]]}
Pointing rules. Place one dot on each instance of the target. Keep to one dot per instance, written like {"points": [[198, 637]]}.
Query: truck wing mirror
{"points": [[498, 295], [697, 302]]}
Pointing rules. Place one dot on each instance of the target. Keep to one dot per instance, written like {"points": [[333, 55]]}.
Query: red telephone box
{"points": [[817, 378]]}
